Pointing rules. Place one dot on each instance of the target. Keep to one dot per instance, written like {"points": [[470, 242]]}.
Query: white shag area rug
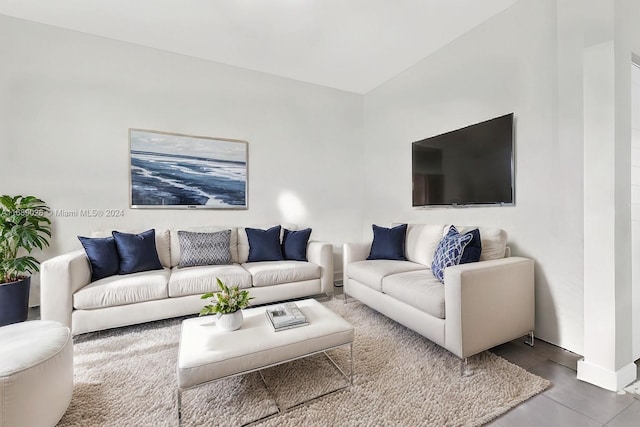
{"points": [[127, 377]]}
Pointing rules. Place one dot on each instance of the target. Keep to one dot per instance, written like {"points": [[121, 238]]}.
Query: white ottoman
{"points": [[208, 354], [36, 373]]}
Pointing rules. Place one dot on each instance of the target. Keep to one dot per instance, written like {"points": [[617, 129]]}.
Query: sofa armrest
{"points": [[488, 303], [60, 278], [321, 253], [353, 252]]}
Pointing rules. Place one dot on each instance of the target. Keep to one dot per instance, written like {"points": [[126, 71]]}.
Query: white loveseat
{"points": [[480, 305], [69, 297]]}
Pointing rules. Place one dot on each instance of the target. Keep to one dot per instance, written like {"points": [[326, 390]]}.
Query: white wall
{"points": [[67, 100], [635, 205], [627, 38], [508, 64]]}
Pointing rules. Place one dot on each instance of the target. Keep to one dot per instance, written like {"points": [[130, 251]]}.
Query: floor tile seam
{"points": [[566, 387], [619, 413], [540, 362], [558, 403], [544, 393], [573, 410]]}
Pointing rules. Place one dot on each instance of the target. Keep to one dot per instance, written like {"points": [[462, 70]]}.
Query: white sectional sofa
{"points": [[480, 305], [69, 297]]}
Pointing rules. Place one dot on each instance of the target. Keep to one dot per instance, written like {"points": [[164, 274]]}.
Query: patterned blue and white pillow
{"points": [[449, 251], [204, 248]]}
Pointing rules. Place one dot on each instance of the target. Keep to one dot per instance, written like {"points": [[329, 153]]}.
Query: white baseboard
{"points": [[609, 380]]}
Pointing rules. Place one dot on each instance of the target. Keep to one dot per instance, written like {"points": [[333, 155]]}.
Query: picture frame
{"points": [[177, 171]]}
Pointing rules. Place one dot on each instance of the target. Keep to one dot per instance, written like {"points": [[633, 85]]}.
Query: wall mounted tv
{"points": [[466, 167]]}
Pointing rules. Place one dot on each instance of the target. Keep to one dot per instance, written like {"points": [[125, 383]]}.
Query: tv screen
{"points": [[468, 166]]}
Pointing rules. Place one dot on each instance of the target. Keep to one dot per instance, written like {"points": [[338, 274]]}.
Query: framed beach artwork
{"points": [[171, 170]]}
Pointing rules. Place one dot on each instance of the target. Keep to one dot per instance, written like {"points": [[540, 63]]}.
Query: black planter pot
{"points": [[14, 301]]}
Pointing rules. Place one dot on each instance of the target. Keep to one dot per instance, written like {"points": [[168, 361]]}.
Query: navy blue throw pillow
{"points": [[473, 249], [449, 252], [103, 256], [388, 243], [137, 252], [264, 245], [294, 244]]}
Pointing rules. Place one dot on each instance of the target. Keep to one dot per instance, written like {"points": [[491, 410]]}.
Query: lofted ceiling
{"points": [[352, 45]]}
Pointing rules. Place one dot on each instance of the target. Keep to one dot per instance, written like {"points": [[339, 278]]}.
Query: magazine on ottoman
{"points": [[285, 316]]}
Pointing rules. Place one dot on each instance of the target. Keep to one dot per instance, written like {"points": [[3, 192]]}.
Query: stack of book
{"points": [[285, 316]]}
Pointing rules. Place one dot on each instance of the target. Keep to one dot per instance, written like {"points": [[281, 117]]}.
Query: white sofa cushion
{"points": [[124, 289], [494, 241], [162, 242], [175, 242], [419, 289], [202, 279], [371, 272], [267, 273], [421, 242]]}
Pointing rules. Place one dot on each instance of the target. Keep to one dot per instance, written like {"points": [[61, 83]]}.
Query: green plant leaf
{"points": [[227, 300], [24, 226]]}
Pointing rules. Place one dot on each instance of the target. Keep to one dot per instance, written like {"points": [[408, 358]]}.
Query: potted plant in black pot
{"points": [[24, 226]]}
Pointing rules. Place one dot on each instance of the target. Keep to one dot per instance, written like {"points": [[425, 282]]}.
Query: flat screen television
{"points": [[466, 167]]}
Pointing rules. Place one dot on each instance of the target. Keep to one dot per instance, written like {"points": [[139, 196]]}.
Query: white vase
{"points": [[229, 322]]}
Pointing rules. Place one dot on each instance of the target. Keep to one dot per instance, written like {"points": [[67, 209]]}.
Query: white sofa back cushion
{"points": [[421, 242], [494, 241], [163, 246], [175, 241]]}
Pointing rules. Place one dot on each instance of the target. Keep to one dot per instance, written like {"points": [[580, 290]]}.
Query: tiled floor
{"points": [[567, 403]]}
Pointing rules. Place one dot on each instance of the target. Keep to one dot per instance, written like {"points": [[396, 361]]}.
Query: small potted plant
{"points": [[24, 226], [228, 305]]}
